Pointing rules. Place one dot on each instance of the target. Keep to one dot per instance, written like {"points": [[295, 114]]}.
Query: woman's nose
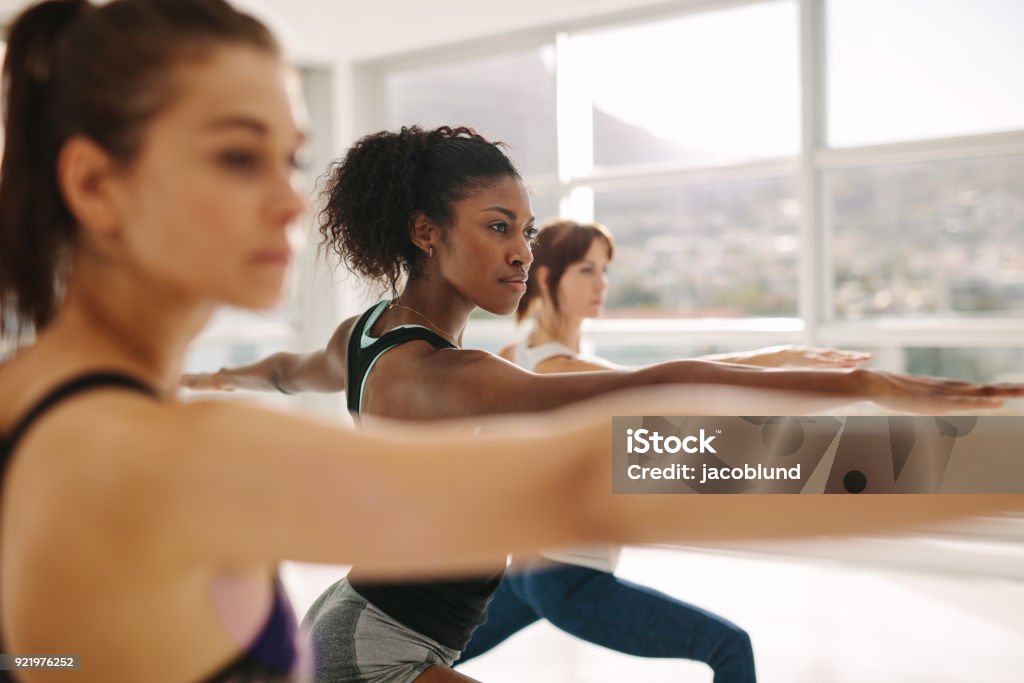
{"points": [[523, 254]]}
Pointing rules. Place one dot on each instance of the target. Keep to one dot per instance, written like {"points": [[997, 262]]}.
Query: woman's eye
{"points": [[501, 227], [239, 160]]}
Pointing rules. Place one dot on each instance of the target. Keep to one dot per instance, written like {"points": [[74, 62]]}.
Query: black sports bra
{"points": [[273, 653], [364, 350], [446, 611]]}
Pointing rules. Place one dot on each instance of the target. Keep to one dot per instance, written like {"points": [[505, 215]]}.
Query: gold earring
{"points": [[431, 251]]}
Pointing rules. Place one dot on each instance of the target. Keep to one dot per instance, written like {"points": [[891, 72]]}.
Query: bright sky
{"points": [[726, 83], [912, 69]]}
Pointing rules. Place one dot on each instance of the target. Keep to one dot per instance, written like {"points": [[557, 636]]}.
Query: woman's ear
{"points": [[88, 176], [540, 274], [423, 233]]}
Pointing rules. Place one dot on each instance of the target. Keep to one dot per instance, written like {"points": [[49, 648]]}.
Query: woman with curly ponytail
{"points": [[443, 219]]}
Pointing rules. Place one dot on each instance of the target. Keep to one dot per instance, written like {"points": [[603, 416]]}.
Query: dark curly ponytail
{"points": [[385, 178]]}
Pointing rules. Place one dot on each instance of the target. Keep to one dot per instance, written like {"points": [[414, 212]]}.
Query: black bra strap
{"points": [[360, 359], [69, 388], [356, 364]]}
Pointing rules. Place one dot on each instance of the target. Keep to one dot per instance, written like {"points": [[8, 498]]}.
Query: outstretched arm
{"points": [[419, 382], [323, 370], [240, 484], [786, 355]]}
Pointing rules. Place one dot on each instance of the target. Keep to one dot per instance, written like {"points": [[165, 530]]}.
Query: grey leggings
{"points": [[353, 641]]}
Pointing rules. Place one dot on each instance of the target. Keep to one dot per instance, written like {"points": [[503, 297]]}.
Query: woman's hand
{"points": [[927, 395], [800, 357], [207, 381]]}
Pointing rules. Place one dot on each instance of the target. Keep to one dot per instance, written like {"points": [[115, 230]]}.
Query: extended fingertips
{"points": [[1002, 389], [988, 401]]}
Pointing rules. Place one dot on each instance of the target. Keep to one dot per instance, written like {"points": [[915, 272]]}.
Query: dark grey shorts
{"points": [[354, 642]]}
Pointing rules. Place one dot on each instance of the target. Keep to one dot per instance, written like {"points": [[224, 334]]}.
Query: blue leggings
{"points": [[599, 608]]}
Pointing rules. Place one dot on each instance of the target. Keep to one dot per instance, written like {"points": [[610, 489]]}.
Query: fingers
{"points": [[1008, 389], [828, 358], [930, 395], [1000, 390], [848, 357], [936, 386], [962, 403], [833, 363]]}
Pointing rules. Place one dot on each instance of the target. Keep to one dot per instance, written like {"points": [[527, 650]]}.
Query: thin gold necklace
{"points": [[437, 328]]}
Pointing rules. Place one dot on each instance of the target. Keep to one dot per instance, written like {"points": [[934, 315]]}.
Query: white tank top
{"points": [[528, 358], [603, 558]]}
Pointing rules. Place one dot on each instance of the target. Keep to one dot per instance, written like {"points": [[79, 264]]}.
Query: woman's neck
{"points": [[434, 305], [107, 320], [553, 327]]}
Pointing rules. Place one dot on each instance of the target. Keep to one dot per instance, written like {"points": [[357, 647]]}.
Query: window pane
{"points": [[713, 88], [717, 249], [911, 69], [921, 239], [508, 97], [545, 205]]}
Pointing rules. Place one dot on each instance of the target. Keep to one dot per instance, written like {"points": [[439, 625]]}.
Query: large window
{"points": [[915, 69], [842, 172]]}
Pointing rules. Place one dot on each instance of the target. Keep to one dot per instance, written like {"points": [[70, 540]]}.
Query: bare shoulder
{"points": [[508, 353], [91, 464], [571, 364], [340, 338], [417, 381], [419, 361], [337, 346]]}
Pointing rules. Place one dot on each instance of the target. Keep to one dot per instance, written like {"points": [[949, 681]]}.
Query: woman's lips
{"points": [[273, 257], [517, 283]]}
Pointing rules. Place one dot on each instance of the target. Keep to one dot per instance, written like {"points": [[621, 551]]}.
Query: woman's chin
{"points": [[257, 301], [499, 308]]}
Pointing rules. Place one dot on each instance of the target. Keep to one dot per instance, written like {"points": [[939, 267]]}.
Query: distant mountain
{"points": [[625, 143]]}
